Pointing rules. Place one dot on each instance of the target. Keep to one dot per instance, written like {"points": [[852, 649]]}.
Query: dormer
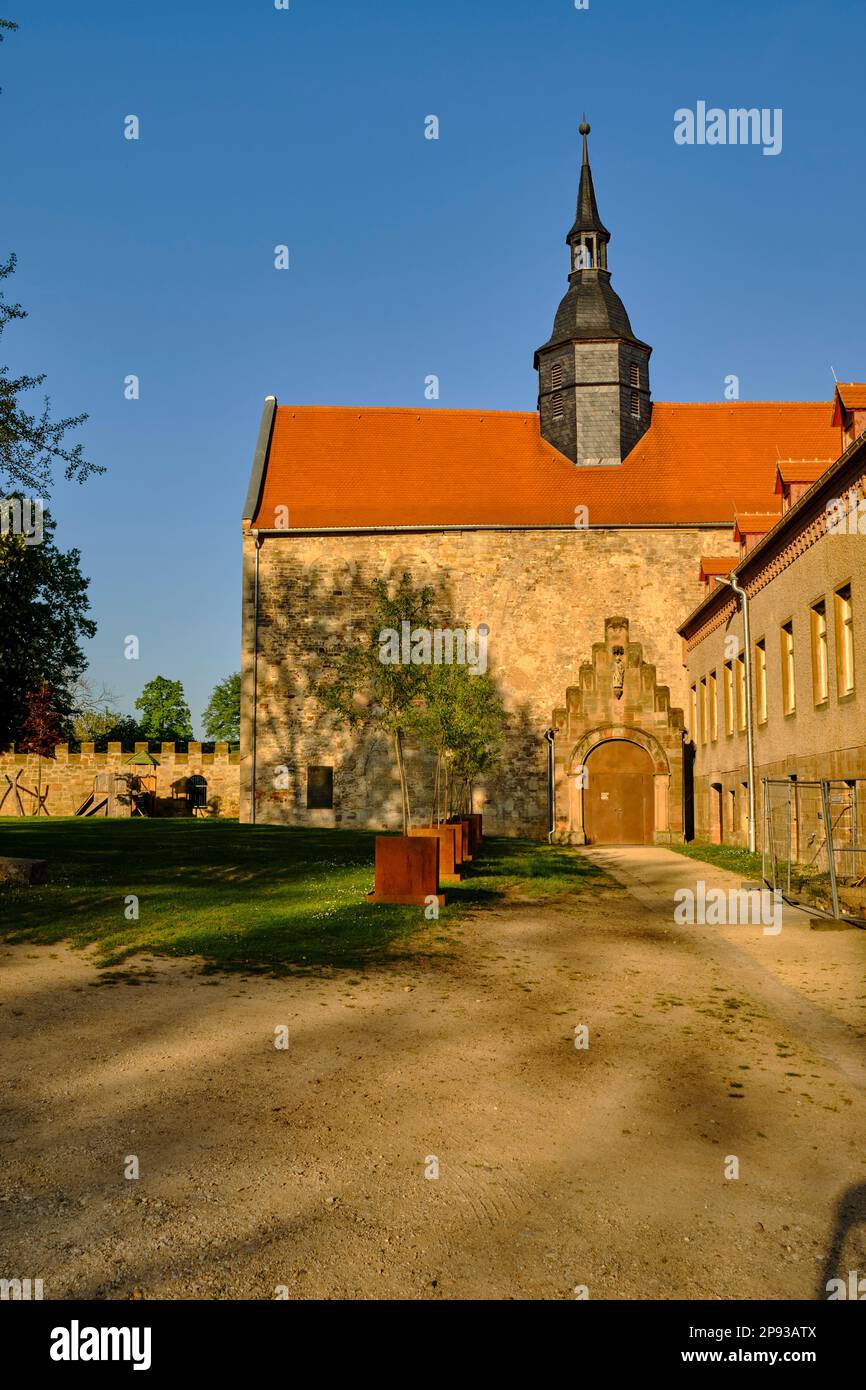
{"points": [[849, 411], [751, 527], [794, 477], [715, 567]]}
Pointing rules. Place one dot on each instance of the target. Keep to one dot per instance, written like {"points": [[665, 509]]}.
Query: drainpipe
{"points": [[255, 677], [738, 589], [550, 738]]}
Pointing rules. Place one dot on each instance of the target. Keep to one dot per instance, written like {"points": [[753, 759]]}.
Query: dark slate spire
{"points": [[587, 219], [593, 373]]}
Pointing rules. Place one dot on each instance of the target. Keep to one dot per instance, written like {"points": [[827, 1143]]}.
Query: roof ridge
{"points": [[412, 410], [734, 405], [526, 414]]}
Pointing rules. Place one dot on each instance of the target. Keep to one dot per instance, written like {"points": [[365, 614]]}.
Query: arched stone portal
{"points": [[649, 762], [618, 800], [618, 752]]}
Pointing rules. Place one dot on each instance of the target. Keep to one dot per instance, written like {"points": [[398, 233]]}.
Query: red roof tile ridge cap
{"points": [[412, 410], [735, 405]]}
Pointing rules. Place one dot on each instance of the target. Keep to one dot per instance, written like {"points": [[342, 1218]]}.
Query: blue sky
{"points": [[408, 256]]}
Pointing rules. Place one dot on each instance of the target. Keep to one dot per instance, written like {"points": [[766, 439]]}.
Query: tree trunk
{"points": [[404, 786], [434, 806]]}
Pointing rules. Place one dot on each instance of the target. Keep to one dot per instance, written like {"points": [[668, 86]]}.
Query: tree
{"points": [[164, 711], [361, 689], [461, 720], [43, 608], [222, 718], [123, 729], [30, 445], [475, 743], [42, 729]]}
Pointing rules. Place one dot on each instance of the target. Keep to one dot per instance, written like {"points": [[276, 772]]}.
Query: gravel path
{"points": [[304, 1169]]}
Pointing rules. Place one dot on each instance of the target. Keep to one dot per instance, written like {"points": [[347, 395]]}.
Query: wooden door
{"points": [[619, 798]]}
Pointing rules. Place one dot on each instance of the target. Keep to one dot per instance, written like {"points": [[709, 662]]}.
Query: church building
{"points": [[582, 535]]}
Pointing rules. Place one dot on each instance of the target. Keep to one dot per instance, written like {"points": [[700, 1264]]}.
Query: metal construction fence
{"points": [[814, 844]]}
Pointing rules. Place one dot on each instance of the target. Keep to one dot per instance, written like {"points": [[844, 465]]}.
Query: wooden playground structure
{"points": [[124, 793], [130, 790]]}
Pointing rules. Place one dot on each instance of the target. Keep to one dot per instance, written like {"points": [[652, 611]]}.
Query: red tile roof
{"points": [[799, 471], [341, 467], [852, 395], [754, 524], [712, 565]]}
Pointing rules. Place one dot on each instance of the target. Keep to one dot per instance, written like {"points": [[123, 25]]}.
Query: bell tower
{"points": [[593, 373]]}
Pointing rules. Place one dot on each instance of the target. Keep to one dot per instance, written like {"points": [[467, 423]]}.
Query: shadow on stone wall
{"points": [[306, 615]]}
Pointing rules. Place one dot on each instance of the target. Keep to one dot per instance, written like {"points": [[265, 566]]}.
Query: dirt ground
{"points": [[304, 1169]]}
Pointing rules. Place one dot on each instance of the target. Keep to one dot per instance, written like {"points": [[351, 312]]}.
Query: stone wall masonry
{"points": [[544, 594], [69, 777]]}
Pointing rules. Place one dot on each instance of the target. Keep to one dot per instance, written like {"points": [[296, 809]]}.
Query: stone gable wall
{"points": [[545, 596]]}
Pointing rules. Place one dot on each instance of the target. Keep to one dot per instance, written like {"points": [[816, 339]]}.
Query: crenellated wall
{"points": [[68, 778]]}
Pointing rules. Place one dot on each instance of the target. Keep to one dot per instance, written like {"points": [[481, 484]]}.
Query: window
{"points": [[694, 729], [844, 641], [635, 404], [320, 788], [729, 697], [740, 674], [557, 374], [712, 696], [820, 665], [732, 810], [761, 680], [557, 404], [635, 374], [786, 639], [703, 698]]}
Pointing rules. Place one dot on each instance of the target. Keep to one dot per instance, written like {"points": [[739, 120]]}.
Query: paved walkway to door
{"points": [[787, 969]]}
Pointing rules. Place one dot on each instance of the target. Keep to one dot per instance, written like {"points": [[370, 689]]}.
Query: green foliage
{"points": [[455, 711], [461, 720], [222, 718], [96, 720], [363, 690], [107, 726], [43, 607], [733, 857], [164, 712], [360, 688], [253, 898]]}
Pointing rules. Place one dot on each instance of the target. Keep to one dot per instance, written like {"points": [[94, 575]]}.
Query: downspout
{"points": [[750, 724], [550, 738], [255, 678]]}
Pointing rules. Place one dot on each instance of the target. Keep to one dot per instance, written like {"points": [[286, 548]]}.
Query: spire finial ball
{"points": [[584, 128]]}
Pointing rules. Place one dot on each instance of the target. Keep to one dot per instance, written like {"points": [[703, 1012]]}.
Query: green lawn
{"points": [[265, 898], [732, 857]]}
